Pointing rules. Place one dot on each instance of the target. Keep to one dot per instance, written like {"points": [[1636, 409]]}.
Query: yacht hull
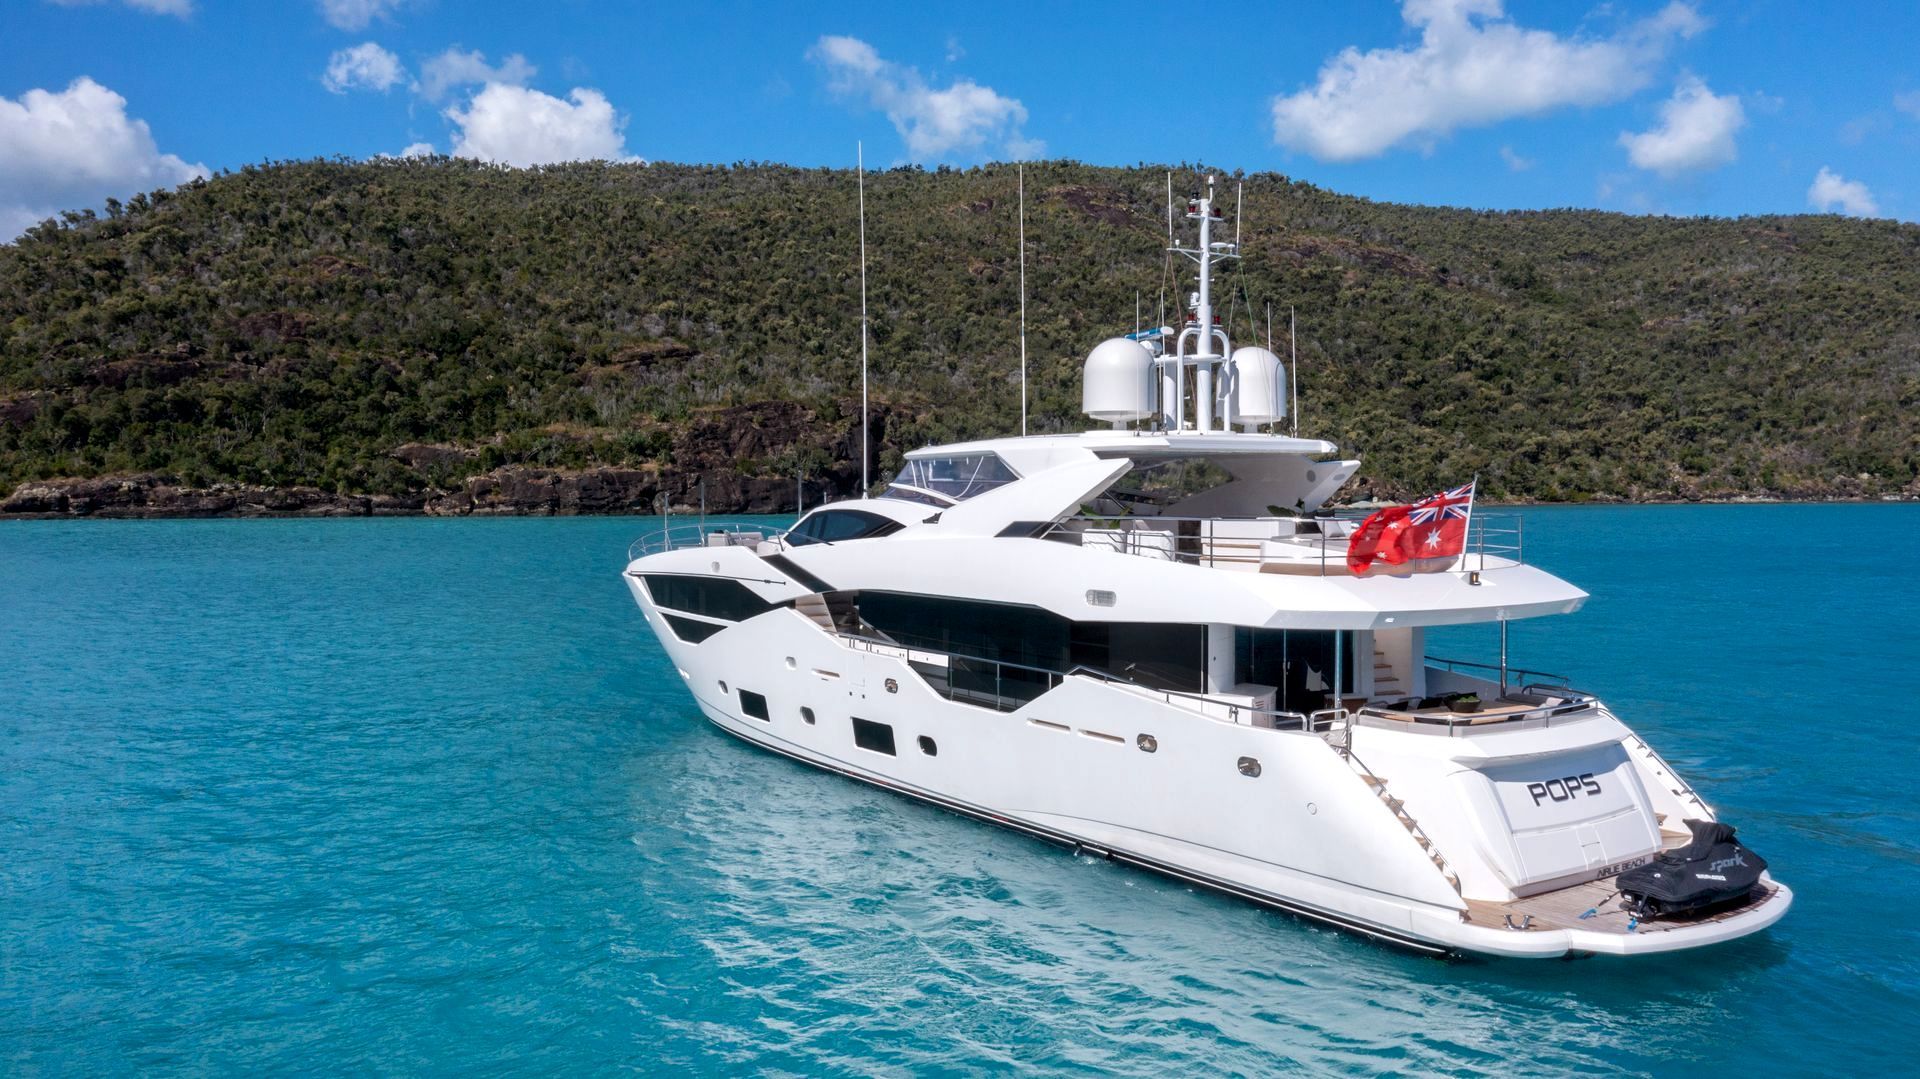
{"points": [[1279, 818]]}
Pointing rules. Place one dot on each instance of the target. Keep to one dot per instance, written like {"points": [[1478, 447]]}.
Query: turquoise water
{"points": [[423, 796]]}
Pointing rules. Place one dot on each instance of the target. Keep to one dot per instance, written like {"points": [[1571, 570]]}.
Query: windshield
{"points": [[959, 476]]}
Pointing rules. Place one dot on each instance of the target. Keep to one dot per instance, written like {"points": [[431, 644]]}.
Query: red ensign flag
{"points": [[1433, 527]]}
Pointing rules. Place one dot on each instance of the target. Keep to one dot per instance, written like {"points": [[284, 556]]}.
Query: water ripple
{"points": [[422, 796]]}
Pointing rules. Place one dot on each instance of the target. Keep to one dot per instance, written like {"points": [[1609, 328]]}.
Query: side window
{"points": [[754, 704], [807, 531], [852, 524], [689, 630], [869, 735], [835, 526], [713, 597]]}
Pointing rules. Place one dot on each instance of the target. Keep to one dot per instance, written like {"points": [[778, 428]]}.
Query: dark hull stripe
{"points": [[1142, 862]]}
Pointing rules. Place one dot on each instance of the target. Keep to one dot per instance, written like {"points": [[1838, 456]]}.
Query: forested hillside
{"points": [[453, 337]]}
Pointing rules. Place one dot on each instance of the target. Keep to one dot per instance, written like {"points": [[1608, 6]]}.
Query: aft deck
{"points": [[1595, 907]]}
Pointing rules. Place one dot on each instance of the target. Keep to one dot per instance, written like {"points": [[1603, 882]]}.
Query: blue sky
{"points": [[1692, 107]]}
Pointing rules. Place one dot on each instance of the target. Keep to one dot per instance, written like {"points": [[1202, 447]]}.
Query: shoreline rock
{"points": [[522, 491]]}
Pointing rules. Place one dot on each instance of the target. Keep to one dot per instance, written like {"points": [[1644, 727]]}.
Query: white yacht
{"points": [[1146, 642]]}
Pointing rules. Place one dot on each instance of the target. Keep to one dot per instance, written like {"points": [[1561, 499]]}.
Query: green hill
{"points": [[442, 334]]}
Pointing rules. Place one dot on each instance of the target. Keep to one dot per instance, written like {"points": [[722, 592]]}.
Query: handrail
{"points": [[675, 537], [1495, 535], [1574, 701], [1550, 681]]}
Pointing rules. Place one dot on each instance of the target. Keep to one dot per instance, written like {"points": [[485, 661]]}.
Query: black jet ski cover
{"points": [[1712, 869]]}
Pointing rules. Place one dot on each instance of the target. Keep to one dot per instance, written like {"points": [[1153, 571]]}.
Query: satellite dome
{"points": [[1261, 383], [1118, 381]]}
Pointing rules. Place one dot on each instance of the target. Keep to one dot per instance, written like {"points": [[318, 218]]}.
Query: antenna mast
{"points": [[860, 164], [1293, 372], [1203, 345], [1023, 299]]}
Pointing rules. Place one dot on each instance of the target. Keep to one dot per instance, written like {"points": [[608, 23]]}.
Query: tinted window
{"points": [[754, 705], [1000, 631], [1299, 662], [689, 630], [874, 736], [838, 526], [1161, 656], [715, 597]]}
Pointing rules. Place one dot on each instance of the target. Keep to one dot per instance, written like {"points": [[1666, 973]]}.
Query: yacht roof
{"points": [[1141, 445]]}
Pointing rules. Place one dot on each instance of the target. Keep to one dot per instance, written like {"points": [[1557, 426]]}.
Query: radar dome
{"points": [[1261, 381], [1118, 381]]}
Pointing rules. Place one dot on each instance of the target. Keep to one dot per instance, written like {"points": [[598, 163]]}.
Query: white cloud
{"points": [[1472, 67], [1908, 103], [1515, 161], [74, 148], [964, 116], [367, 67], [1832, 191], [182, 8], [516, 126], [1695, 132], [453, 69], [355, 14], [1855, 131], [418, 149]]}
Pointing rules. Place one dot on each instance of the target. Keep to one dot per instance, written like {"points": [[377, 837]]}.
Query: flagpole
{"points": [[1023, 299], [1293, 364], [1466, 535], [860, 164], [1473, 495]]}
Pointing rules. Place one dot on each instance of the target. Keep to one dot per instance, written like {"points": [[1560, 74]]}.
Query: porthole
{"points": [[927, 746], [1147, 743], [1250, 767], [1100, 597], [807, 715], [892, 686], [791, 665], [723, 685]]}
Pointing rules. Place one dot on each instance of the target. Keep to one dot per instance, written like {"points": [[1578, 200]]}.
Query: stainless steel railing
{"points": [[1229, 542], [696, 535], [1547, 681]]}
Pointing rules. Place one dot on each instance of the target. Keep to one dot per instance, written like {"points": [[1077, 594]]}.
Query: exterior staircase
{"points": [[1386, 680], [1680, 787], [1379, 788], [832, 612]]}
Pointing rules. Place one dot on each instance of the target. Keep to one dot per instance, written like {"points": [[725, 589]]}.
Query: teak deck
{"points": [[1562, 909]]}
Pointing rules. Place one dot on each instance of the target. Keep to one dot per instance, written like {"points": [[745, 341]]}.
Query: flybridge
{"points": [[1190, 379]]}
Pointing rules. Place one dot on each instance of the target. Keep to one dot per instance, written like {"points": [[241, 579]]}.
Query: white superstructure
{"points": [[1144, 642]]}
